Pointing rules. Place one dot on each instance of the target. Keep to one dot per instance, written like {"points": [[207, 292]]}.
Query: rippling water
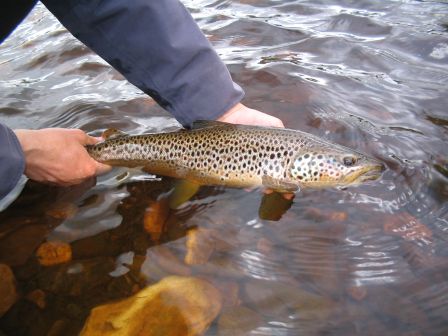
{"points": [[367, 74]]}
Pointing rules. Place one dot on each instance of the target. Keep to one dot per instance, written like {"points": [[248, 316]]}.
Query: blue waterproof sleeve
{"points": [[12, 161], [159, 48]]}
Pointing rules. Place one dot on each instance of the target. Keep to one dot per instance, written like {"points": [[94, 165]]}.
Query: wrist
{"points": [[228, 115], [25, 139]]}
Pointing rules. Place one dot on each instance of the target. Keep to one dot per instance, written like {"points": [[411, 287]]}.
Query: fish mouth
{"points": [[369, 173]]}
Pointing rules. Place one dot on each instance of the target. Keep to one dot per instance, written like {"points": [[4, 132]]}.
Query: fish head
{"points": [[333, 166]]}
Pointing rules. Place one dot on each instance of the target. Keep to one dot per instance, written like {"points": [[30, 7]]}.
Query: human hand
{"points": [[57, 155], [240, 114]]}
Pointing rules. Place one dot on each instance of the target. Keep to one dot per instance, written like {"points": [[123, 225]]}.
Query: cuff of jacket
{"points": [[12, 160]]}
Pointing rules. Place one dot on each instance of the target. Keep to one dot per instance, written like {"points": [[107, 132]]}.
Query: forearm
{"points": [[159, 48], [12, 160]]}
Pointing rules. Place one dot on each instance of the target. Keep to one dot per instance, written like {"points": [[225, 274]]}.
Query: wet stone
{"points": [[59, 328], [230, 291], [76, 278], [357, 292], [407, 227], [38, 297], [15, 249], [8, 292], [265, 297], [155, 217], [264, 246], [274, 299], [221, 267], [174, 306], [238, 321], [63, 210], [53, 253], [200, 246], [168, 261]]}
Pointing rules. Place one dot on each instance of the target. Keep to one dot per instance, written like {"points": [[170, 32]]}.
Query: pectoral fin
{"points": [[183, 191], [273, 206], [279, 185]]}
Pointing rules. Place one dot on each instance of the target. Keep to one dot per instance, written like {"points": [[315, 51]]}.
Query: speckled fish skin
{"points": [[240, 156]]}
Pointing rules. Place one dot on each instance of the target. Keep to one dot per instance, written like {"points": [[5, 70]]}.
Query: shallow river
{"points": [[366, 260]]}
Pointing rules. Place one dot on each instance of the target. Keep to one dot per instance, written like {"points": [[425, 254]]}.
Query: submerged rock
{"points": [[174, 306], [38, 297], [8, 293], [407, 227], [238, 321], [53, 253], [199, 246], [155, 217]]}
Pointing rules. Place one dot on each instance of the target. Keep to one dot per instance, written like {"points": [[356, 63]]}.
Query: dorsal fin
{"points": [[209, 123], [113, 133]]}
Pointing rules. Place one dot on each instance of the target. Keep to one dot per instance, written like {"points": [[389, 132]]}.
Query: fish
{"points": [[240, 156]]}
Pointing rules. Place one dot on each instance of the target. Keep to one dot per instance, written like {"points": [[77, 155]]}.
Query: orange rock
{"points": [[357, 292], [167, 260], [407, 227], [8, 293], [174, 306], [264, 246], [338, 216], [199, 246], [155, 217], [63, 211], [38, 297], [59, 328], [230, 291], [54, 253], [239, 321]]}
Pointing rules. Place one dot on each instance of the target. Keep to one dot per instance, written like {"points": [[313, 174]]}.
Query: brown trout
{"points": [[216, 153]]}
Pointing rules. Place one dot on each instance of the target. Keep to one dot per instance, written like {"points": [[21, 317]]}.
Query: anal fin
{"points": [[183, 191]]}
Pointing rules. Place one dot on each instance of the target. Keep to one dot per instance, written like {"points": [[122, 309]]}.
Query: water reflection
{"points": [[370, 259]]}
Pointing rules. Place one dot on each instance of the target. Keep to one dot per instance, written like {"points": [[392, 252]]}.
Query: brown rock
{"points": [[76, 278], [338, 216], [59, 328], [222, 267], [54, 253], [273, 299], [199, 246], [266, 297], [155, 217], [8, 293], [238, 321], [168, 261], [173, 306], [264, 246], [38, 297], [16, 248], [407, 227], [357, 292], [63, 210], [230, 291]]}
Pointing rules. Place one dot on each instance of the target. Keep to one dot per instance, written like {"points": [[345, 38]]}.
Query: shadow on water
{"points": [[365, 260]]}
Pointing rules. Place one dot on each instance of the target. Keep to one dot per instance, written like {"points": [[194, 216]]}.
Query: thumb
{"points": [[101, 168], [90, 140]]}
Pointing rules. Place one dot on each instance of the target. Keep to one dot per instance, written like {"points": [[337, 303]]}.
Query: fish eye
{"points": [[349, 160]]}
